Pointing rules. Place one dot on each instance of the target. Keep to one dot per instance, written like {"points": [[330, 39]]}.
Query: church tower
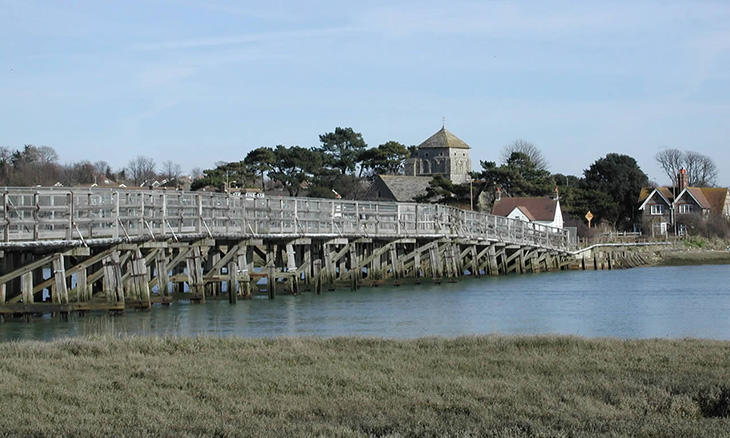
{"points": [[441, 154]]}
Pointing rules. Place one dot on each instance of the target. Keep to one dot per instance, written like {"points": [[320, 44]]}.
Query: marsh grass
{"points": [[349, 387], [686, 258]]}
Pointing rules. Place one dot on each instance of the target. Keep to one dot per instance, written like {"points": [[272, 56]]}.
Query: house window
{"points": [[657, 209], [681, 229], [685, 208]]}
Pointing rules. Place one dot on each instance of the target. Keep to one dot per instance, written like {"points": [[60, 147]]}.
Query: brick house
{"points": [[664, 208]]}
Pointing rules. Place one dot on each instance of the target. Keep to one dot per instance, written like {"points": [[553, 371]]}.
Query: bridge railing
{"points": [[30, 214]]}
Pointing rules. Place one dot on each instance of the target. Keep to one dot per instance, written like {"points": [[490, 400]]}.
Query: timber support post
{"points": [[113, 287], [317, 274], [195, 275], [271, 281], [233, 284]]}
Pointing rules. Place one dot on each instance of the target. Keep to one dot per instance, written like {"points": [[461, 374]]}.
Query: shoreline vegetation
{"points": [[500, 386], [693, 251], [686, 258]]}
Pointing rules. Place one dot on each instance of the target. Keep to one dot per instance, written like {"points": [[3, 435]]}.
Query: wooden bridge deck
{"points": [[84, 249], [37, 214]]}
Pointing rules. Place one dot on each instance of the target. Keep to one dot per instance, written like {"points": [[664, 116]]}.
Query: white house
{"points": [[544, 210]]}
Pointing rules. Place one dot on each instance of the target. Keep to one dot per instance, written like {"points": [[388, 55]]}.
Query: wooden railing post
{"points": [[71, 218], [6, 218], [295, 218], [243, 213], [199, 225], [115, 196], [37, 207], [141, 227]]}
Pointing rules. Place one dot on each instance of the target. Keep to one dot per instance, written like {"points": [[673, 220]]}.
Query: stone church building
{"points": [[441, 154]]}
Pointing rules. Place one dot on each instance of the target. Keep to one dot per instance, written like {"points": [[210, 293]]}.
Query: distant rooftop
{"points": [[536, 209]]}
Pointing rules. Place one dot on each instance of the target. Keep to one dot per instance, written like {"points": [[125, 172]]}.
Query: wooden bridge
{"points": [[67, 250]]}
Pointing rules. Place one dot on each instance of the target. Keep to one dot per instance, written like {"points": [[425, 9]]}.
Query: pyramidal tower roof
{"points": [[444, 139]]}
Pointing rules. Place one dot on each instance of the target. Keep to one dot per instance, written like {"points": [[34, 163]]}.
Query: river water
{"points": [[674, 302]]}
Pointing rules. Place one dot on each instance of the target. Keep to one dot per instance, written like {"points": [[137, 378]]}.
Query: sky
{"points": [[199, 82]]}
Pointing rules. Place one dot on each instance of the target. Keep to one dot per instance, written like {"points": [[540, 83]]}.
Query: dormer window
{"points": [[657, 209]]}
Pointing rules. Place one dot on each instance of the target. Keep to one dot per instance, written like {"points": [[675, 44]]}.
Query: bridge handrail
{"points": [[42, 213]]}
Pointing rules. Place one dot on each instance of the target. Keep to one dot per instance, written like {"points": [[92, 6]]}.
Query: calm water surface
{"points": [[675, 302]]}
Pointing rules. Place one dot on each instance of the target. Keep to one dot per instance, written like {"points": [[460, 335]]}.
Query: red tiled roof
{"points": [[715, 198], [526, 212], [699, 195], [664, 191], [541, 209]]}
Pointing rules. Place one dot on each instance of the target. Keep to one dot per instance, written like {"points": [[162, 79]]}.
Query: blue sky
{"points": [[198, 82]]}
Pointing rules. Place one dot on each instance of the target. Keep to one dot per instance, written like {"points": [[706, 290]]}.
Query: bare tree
{"points": [[170, 170], [82, 172], [527, 148], [141, 170], [671, 160], [196, 173], [47, 155], [31, 154], [102, 168], [700, 168], [6, 168], [35, 165]]}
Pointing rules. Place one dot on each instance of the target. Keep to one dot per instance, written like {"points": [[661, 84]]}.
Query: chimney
{"points": [[498, 196], [682, 179], [556, 195]]}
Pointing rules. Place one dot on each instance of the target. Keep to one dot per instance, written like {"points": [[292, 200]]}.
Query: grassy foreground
{"points": [[464, 387]]}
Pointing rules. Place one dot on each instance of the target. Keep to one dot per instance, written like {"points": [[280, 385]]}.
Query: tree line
{"points": [[342, 164], [39, 166], [339, 165]]}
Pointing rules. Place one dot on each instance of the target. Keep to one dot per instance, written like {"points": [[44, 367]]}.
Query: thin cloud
{"points": [[240, 39], [531, 20]]}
